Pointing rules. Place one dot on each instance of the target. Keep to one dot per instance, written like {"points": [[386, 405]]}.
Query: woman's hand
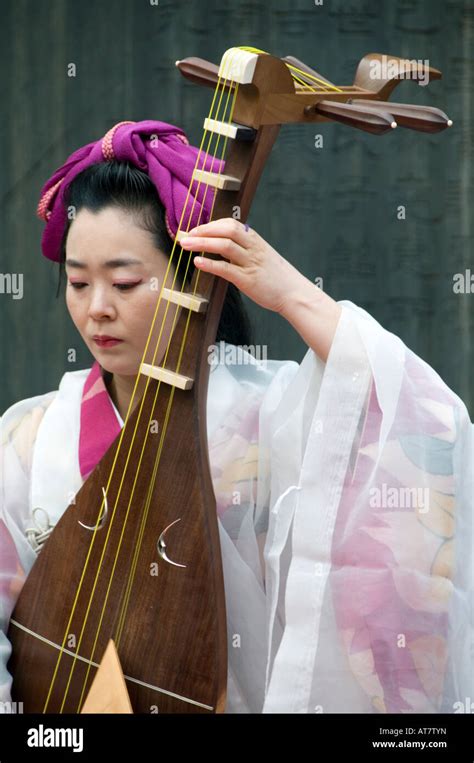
{"points": [[251, 264], [267, 278]]}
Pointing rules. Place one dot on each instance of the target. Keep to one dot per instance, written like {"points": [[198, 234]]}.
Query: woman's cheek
{"points": [[146, 317], [148, 308], [72, 307], [136, 322]]}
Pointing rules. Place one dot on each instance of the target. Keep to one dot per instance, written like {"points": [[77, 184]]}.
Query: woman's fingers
{"points": [[224, 228], [220, 268], [249, 262], [227, 237], [223, 246]]}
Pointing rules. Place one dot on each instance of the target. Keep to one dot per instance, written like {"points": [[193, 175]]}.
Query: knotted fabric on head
{"points": [[159, 149]]}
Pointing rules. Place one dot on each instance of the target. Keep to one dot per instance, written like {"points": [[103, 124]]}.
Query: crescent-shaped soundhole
{"points": [[102, 518], [161, 545]]}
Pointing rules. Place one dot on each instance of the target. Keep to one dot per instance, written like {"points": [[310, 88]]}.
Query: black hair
{"points": [[121, 184]]}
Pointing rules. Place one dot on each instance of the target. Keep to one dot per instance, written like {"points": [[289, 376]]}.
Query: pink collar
{"points": [[99, 423]]}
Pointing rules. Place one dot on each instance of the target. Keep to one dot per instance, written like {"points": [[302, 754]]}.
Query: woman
{"points": [[343, 485]]}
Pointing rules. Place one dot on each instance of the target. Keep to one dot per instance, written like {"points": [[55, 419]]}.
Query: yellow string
{"points": [[324, 85], [190, 254]]}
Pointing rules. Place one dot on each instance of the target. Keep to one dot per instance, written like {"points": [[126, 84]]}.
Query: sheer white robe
{"points": [[345, 591]]}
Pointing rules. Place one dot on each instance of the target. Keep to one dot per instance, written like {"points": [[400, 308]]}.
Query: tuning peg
{"points": [[377, 122], [201, 72], [421, 118]]}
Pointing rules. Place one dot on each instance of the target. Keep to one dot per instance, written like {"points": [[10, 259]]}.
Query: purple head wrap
{"points": [[157, 148]]}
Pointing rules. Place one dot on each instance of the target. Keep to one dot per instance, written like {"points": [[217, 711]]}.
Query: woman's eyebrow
{"points": [[117, 263]]}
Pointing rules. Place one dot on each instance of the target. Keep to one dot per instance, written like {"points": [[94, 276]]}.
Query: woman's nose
{"points": [[101, 305]]}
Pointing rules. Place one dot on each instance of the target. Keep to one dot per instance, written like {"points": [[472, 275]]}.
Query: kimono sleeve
{"points": [[18, 428], [375, 497]]}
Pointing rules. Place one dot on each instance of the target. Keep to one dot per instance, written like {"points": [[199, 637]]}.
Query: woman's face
{"points": [[114, 276]]}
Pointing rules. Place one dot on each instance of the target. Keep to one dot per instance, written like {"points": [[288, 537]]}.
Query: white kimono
{"points": [[344, 498]]}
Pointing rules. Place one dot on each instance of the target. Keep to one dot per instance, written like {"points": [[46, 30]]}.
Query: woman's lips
{"points": [[107, 342]]}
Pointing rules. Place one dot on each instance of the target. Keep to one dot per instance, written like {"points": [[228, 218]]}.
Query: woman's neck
{"points": [[120, 389]]}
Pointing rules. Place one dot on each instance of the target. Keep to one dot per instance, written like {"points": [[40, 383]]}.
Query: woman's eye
{"points": [[120, 286], [126, 286]]}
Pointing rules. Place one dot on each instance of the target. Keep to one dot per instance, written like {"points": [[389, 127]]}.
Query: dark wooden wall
{"points": [[332, 212]]}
